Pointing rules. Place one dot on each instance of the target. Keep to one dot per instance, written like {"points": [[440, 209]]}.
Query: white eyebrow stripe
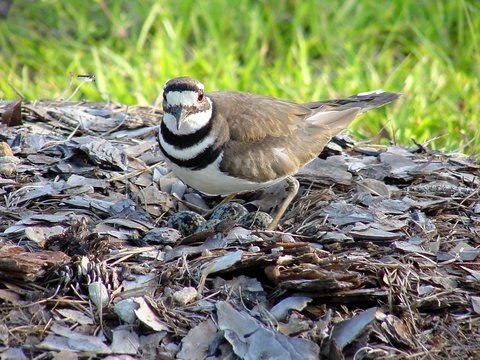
{"points": [[186, 98]]}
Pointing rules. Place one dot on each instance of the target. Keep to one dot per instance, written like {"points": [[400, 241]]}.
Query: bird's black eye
{"points": [[200, 96]]}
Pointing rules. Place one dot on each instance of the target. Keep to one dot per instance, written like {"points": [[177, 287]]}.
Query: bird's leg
{"points": [[227, 199], [293, 186]]}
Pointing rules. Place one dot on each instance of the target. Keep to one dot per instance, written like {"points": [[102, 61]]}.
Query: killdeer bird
{"points": [[228, 142]]}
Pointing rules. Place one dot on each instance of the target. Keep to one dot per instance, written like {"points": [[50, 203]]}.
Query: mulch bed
{"points": [[376, 258]]}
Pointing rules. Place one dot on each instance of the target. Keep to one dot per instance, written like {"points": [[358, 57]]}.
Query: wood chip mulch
{"points": [[378, 257]]}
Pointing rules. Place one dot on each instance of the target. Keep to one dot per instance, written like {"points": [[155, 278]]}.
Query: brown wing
{"points": [[271, 138], [254, 117]]}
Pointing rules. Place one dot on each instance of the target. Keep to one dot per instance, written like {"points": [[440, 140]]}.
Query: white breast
{"points": [[189, 152], [211, 181]]}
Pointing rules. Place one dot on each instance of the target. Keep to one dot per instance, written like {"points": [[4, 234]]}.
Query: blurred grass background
{"points": [[299, 50]]}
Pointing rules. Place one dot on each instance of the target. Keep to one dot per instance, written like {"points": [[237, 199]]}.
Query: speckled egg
{"points": [[208, 225], [255, 220], [230, 211], [186, 222]]}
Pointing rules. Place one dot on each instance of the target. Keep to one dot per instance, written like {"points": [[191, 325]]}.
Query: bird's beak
{"points": [[180, 114]]}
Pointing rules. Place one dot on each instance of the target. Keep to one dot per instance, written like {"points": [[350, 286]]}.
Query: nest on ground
{"points": [[376, 258]]}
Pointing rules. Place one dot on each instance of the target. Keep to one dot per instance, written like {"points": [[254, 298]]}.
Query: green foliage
{"points": [[300, 50]]}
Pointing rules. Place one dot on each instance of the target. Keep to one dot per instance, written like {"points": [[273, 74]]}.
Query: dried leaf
{"points": [[76, 316], [40, 234], [141, 284], [370, 233], [333, 170], [406, 246], [13, 354], [374, 187], [102, 152], [222, 263], [280, 310], [249, 338], [124, 341], [295, 325], [10, 296], [343, 214], [69, 340], [195, 343], [397, 331], [465, 252], [343, 333], [148, 317]]}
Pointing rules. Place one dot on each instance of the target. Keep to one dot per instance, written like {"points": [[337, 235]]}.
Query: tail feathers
{"points": [[364, 101], [373, 99]]}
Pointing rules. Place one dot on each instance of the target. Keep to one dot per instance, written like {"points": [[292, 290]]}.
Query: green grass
{"points": [[300, 50]]}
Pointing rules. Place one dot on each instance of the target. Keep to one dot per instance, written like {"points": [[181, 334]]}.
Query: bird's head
{"points": [[185, 106]]}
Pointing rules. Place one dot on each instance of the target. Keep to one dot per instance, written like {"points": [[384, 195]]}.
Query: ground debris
{"points": [[18, 263], [250, 339], [376, 258]]}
